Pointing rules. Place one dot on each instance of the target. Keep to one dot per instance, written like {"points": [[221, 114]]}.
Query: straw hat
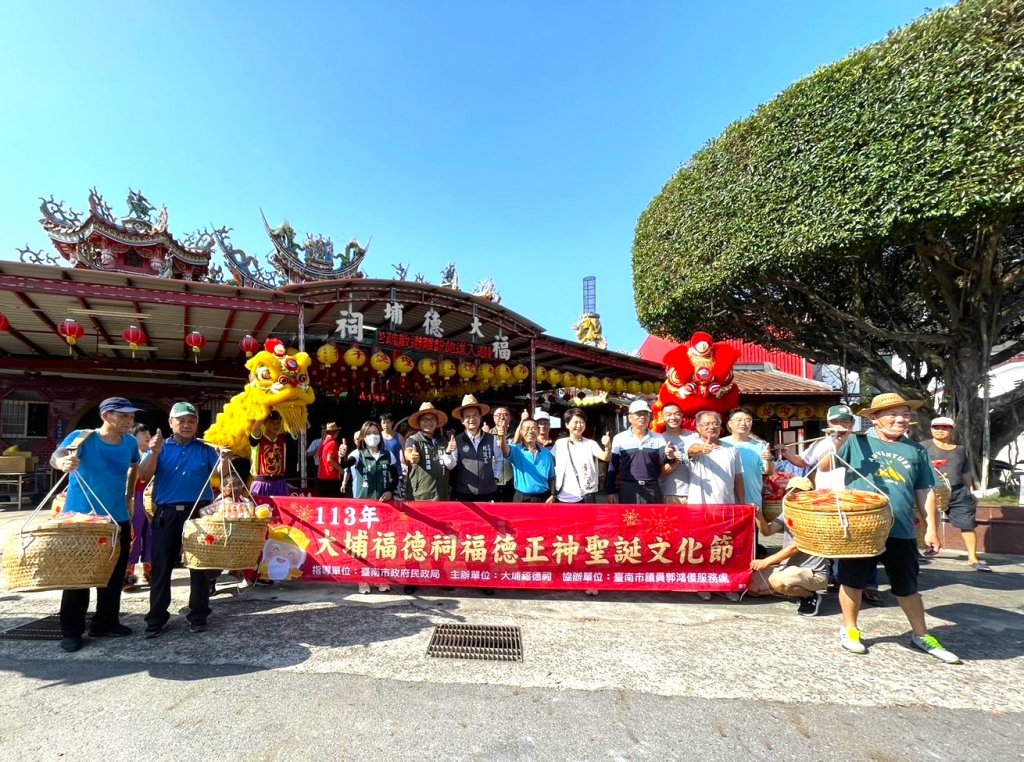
{"points": [[427, 409], [470, 401], [888, 400], [330, 428]]}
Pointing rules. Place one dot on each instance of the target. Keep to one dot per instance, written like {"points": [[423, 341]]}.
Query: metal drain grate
{"points": [[47, 628], [476, 641]]}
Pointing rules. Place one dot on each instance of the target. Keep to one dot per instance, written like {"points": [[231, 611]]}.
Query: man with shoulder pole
{"points": [[181, 466], [884, 459], [102, 464]]}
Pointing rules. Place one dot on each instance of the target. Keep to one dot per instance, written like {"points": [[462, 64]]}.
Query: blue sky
{"points": [[520, 140]]}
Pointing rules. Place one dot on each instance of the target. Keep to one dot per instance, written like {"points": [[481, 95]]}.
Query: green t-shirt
{"points": [[897, 469]]}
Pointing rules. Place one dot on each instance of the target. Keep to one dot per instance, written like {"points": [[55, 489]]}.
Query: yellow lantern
{"points": [[568, 379], [504, 374], [355, 357], [520, 373], [764, 411], [582, 382], [404, 364], [427, 366], [484, 372], [647, 387], [467, 370], [633, 387], [380, 362], [327, 354], [539, 373], [554, 376], [447, 369], [594, 384], [606, 384], [619, 385]]}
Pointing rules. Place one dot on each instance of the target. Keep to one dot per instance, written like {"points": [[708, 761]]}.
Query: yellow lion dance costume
{"points": [[277, 381]]}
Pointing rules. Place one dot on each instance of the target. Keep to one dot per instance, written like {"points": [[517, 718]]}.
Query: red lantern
{"points": [[134, 336], [249, 344], [71, 332], [4, 323], [197, 341]]}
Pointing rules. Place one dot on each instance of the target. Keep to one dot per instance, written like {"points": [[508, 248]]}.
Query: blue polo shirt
{"points": [[182, 470], [104, 468], [530, 471]]}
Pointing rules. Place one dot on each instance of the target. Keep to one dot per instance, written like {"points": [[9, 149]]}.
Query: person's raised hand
{"points": [[451, 445], [606, 440], [156, 442]]}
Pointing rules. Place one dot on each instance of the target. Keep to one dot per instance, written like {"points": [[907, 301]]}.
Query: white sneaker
{"points": [[590, 591], [734, 597], [930, 645], [383, 588], [849, 638], [364, 588], [704, 595]]}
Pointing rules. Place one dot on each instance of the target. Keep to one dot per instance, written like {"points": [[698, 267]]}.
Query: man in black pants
{"points": [[182, 466], [640, 457], [479, 461]]}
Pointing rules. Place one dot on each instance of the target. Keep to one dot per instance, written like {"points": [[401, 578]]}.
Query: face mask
{"points": [[372, 440]]}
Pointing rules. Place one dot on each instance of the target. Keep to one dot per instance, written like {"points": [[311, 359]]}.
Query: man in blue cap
{"points": [[182, 466], [101, 463]]}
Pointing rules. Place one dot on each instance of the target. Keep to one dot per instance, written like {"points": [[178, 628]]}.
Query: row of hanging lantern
{"points": [[448, 375]]}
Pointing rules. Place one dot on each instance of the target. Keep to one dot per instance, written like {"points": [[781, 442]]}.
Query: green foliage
{"points": [[840, 179]]}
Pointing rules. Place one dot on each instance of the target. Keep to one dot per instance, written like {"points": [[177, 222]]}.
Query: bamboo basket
{"points": [[64, 556], [148, 503], [68, 556], [943, 492], [771, 510], [216, 543], [843, 524]]}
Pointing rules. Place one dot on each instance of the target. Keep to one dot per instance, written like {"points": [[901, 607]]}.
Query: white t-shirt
{"points": [[584, 456], [834, 479], [713, 476]]}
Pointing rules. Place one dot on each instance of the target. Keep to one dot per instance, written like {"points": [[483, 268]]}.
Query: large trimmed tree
{"points": [[873, 209]]}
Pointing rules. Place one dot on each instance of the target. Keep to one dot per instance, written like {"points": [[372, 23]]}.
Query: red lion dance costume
{"points": [[698, 377]]}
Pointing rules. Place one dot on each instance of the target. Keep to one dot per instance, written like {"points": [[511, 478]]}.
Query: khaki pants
{"points": [[674, 499]]}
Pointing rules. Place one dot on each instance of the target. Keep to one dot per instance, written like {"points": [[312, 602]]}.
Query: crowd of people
{"points": [[488, 461]]}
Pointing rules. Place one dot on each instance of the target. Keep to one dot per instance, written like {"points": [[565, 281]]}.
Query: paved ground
{"points": [[318, 671]]}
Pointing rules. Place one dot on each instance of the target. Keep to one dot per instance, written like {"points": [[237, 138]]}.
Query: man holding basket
{"points": [[102, 465], [182, 466], [886, 461]]}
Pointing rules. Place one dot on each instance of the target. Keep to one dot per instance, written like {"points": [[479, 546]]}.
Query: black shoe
{"points": [[213, 589], [197, 628], [113, 631], [71, 643], [810, 606], [873, 597], [486, 591], [154, 632]]}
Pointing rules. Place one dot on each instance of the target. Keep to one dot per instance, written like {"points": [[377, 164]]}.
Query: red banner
{"points": [[512, 545]]}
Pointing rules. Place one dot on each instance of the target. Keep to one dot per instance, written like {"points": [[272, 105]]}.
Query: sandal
{"points": [[981, 566]]}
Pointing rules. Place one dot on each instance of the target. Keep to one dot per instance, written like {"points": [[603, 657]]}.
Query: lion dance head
{"points": [[278, 381]]}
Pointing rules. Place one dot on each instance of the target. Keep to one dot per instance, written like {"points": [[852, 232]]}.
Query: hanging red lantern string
{"points": [[249, 344], [71, 332], [197, 341], [134, 336]]}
